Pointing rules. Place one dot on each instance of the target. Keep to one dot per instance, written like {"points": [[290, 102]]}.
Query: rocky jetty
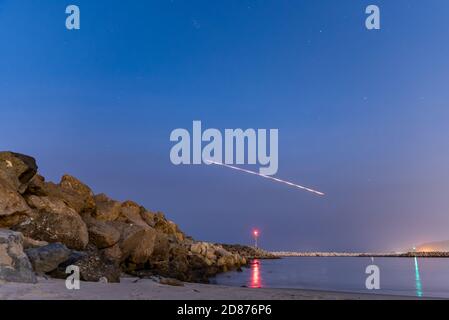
{"points": [[417, 254], [46, 227], [249, 252]]}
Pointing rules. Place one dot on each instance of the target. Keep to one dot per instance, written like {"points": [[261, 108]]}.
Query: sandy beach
{"points": [[146, 289]]}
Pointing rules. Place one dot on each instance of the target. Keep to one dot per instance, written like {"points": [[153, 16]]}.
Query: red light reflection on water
{"points": [[256, 280]]}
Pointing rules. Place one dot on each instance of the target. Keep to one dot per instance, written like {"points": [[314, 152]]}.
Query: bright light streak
{"points": [[256, 279], [419, 291], [266, 177]]}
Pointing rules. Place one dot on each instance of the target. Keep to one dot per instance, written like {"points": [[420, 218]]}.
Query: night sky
{"points": [[362, 115]]}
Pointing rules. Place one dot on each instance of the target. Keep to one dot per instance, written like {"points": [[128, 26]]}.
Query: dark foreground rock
{"points": [[65, 224], [48, 258], [93, 266], [14, 263]]}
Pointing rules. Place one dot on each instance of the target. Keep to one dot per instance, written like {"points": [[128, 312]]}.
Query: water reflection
{"points": [[256, 280], [417, 279]]}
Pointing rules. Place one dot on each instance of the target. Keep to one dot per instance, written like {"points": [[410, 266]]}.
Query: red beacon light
{"points": [[256, 235]]}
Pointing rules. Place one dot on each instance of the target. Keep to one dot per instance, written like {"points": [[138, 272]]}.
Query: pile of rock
{"points": [[46, 227], [433, 254], [249, 252], [214, 254]]}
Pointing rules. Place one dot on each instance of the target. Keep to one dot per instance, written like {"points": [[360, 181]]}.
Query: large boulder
{"points": [[17, 170], [107, 209], [55, 221], [79, 196], [197, 248], [148, 217], [37, 186], [161, 251], [93, 265], [13, 207], [48, 258], [72, 191], [201, 269], [178, 266], [113, 253], [168, 227], [14, 263], [136, 242], [213, 258], [101, 234], [130, 212], [159, 261]]}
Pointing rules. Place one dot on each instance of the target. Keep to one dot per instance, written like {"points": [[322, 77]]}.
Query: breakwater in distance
{"points": [[281, 254]]}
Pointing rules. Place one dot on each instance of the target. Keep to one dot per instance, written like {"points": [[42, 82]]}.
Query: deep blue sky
{"points": [[363, 115]]}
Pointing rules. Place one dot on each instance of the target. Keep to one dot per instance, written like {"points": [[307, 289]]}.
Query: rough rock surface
{"points": [[113, 253], [79, 196], [48, 258], [130, 213], [14, 263], [29, 243], [102, 235], [11, 203], [107, 209], [55, 221], [17, 170], [136, 242], [93, 265]]}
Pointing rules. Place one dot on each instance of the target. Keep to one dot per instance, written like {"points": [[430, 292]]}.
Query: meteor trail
{"points": [[266, 177]]}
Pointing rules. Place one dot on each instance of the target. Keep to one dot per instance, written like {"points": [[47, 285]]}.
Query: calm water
{"points": [[401, 276]]}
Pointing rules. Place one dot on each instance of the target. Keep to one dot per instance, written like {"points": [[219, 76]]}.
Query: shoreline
{"points": [[148, 289]]}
